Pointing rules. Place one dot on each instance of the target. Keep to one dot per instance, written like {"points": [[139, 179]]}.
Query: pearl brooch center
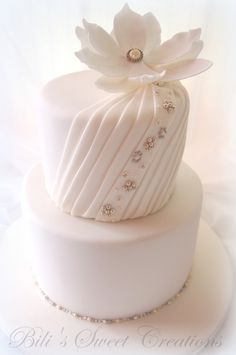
{"points": [[134, 55]]}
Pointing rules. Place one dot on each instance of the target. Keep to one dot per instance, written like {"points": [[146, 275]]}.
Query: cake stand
{"points": [[186, 326]]}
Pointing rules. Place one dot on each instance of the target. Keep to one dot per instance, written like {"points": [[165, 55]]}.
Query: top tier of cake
{"points": [[111, 156]]}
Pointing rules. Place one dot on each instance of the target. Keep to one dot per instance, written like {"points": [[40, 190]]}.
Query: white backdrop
{"points": [[37, 43]]}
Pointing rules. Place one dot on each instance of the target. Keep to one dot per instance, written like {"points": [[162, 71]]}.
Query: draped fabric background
{"points": [[37, 43]]}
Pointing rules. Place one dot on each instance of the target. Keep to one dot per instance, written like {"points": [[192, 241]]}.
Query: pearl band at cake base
{"points": [[115, 320], [186, 326]]}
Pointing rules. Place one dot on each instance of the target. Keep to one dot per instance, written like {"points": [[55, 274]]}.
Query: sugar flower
{"points": [[133, 55]]}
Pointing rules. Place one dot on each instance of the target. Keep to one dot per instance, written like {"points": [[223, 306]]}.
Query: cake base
{"points": [[183, 327]]}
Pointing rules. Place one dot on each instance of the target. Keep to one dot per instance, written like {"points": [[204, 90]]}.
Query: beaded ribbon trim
{"points": [[114, 320]]}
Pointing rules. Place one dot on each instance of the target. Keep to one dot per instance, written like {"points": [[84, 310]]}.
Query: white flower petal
{"points": [[153, 32], [185, 69], [110, 66], [142, 70], [173, 48], [147, 78], [129, 29], [112, 34], [82, 35], [102, 42], [194, 51], [116, 85]]}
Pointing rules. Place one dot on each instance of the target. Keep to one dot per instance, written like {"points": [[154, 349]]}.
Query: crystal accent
{"points": [[129, 185], [162, 132], [169, 106], [80, 316], [107, 209], [149, 143], [137, 156]]}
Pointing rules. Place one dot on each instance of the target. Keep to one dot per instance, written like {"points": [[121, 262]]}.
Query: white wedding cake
{"points": [[112, 213]]}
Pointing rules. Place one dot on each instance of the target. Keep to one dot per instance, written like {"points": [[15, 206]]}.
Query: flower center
{"points": [[134, 55]]}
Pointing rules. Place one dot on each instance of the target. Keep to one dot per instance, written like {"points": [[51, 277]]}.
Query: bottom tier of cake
{"points": [[112, 270]]}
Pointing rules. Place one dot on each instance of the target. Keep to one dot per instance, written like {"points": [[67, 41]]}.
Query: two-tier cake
{"points": [[113, 214]]}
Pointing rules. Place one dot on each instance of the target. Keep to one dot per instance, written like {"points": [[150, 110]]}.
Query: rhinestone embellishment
{"points": [[124, 173], [162, 132], [129, 185], [134, 55], [169, 106], [137, 156], [107, 209], [149, 143], [113, 320]]}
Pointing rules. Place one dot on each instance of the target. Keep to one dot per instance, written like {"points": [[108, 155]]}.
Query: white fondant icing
{"points": [[84, 171], [110, 270], [60, 101]]}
